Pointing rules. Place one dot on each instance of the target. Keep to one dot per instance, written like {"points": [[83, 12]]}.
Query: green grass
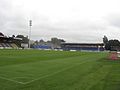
{"points": [[57, 70]]}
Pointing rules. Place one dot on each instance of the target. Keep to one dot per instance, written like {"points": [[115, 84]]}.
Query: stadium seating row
{"points": [[8, 46], [41, 47]]}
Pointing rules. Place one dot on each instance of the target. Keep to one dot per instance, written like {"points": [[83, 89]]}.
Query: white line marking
{"points": [[55, 73], [42, 76], [20, 77], [11, 80]]}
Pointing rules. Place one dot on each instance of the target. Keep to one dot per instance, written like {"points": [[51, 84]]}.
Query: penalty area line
{"points": [[11, 80], [55, 72]]}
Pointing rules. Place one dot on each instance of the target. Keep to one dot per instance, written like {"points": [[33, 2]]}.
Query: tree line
{"points": [[112, 45], [55, 42]]}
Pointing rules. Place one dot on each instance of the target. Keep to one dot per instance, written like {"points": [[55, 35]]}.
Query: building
{"points": [[9, 42], [83, 46]]}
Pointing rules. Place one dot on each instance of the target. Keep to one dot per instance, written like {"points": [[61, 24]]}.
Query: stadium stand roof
{"points": [[1, 34]]}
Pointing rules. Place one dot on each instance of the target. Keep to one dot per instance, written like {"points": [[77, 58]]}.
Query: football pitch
{"points": [[58, 70]]}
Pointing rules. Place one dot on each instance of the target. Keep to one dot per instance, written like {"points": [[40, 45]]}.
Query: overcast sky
{"points": [[72, 20]]}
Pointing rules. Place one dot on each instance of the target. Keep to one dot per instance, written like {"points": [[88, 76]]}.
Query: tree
{"points": [[62, 41], [105, 40], [57, 42], [36, 42], [24, 39], [54, 40], [13, 36], [19, 36], [112, 45], [41, 42]]}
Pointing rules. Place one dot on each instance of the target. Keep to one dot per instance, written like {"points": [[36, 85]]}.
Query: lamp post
{"points": [[30, 25]]}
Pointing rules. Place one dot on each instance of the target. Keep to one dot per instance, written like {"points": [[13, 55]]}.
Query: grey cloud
{"points": [[72, 31], [16, 22], [114, 20]]}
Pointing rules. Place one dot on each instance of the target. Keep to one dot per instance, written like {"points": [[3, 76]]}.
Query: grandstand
{"points": [[15, 43], [83, 46], [9, 42]]}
